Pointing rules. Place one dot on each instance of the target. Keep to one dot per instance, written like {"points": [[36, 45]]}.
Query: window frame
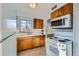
{"points": [[25, 26]]}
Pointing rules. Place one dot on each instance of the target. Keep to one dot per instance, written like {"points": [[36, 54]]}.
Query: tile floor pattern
{"points": [[40, 51]]}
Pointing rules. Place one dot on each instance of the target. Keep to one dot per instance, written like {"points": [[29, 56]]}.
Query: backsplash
{"points": [[37, 31], [64, 33]]}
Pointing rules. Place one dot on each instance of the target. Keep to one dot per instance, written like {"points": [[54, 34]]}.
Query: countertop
{"points": [[26, 35]]}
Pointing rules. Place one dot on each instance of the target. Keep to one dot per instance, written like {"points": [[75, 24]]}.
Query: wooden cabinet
{"points": [[18, 43], [54, 14], [66, 9], [39, 40], [36, 41], [42, 40], [24, 43], [38, 23]]}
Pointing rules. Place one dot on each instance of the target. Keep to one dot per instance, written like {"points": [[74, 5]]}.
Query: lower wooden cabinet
{"points": [[42, 40], [24, 43], [36, 41], [18, 44]]}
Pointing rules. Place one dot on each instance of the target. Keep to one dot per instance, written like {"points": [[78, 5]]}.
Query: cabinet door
{"points": [[29, 42], [51, 15], [18, 44], [54, 14], [42, 41], [26, 43], [67, 9], [36, 41], [22, 44], [62, 11], [38, 24]]}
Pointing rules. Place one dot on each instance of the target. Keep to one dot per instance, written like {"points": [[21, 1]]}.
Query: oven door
{"points": [[52, 49]]}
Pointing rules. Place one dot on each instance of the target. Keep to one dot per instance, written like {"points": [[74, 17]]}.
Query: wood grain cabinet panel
{"points": [[24, 43], [42, 40], [69, 8], [54, 14], [36, 41], [30, 42], [39, 41], [66, 9], [18, 44], [38, 23]]}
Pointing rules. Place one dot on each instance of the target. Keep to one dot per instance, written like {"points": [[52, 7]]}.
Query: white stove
{"points": [[55, 47], [65, 47], [51, 47]]}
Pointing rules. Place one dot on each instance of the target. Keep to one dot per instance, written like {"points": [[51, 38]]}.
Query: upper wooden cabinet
{"points": [[54, 14], [66, 9], [38, 23]]}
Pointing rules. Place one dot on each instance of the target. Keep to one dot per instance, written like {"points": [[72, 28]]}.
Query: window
{"points": [[26, 25], [11, 24]]}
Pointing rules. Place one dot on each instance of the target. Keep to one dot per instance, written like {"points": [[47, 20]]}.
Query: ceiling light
{"points": [[32, 5]]}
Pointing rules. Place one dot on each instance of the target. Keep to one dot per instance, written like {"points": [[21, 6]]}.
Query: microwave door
{"points": [[57, 23], [62, 22]]}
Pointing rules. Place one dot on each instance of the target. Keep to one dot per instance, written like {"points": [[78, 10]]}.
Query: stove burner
{"points": [[61, 40]]}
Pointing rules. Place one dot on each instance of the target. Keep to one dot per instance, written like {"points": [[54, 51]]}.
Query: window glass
{"points": [[26, 25]]}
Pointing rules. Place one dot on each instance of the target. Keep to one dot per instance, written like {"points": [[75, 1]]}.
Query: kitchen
{"points": [[28, 29]]}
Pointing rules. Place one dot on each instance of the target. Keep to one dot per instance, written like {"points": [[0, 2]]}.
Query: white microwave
{"points": [[65, 21]]}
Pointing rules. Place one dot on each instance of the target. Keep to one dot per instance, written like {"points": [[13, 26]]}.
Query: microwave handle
{"points": [[63, 21]]}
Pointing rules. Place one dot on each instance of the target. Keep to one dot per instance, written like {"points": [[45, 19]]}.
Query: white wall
{"points": [[8, 12], [0, 29], [76, 28], [41, 11], [9, 45]]}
